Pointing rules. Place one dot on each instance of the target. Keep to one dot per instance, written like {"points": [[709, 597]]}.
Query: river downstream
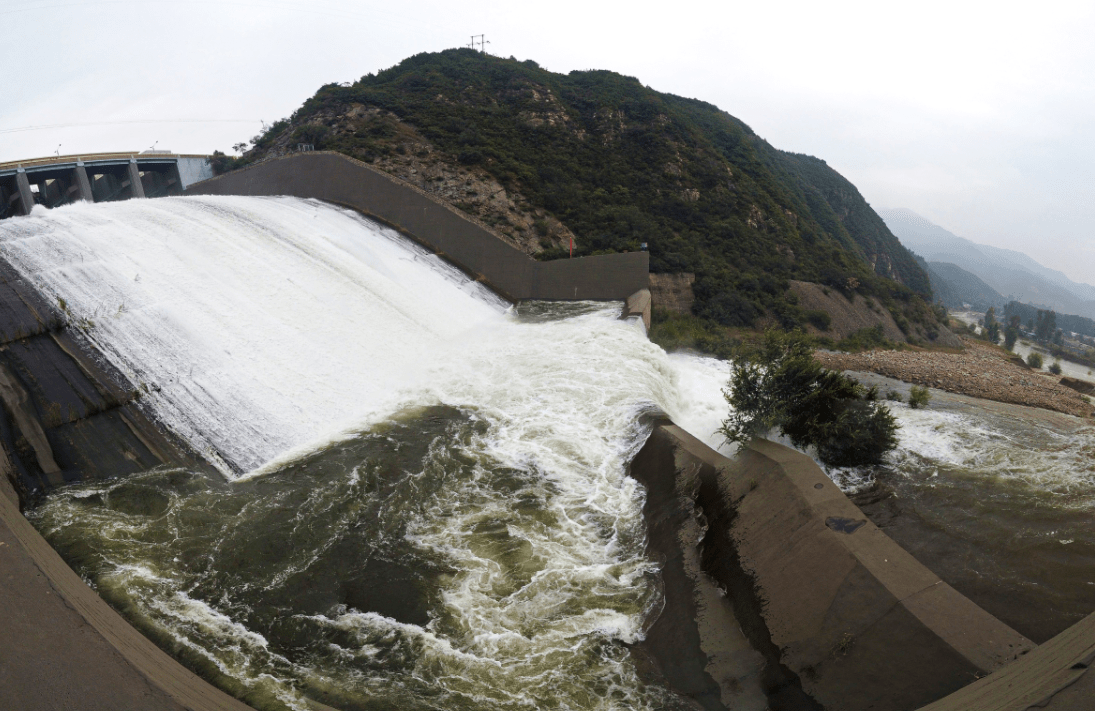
{"points": [[997, 499]]}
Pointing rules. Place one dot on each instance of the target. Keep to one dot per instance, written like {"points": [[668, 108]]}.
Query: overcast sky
{"points": [[978, 116]]}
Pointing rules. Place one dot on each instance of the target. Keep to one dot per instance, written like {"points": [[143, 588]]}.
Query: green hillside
{"points": [[618, 164], [956, 287]]}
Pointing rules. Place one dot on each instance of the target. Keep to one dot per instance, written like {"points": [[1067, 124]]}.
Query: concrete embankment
{"points": [[63, 647], [1056, 676], [69, 417], [338, 179], [835, 613]]}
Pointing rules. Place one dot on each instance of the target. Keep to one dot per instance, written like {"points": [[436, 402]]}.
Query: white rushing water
{"points": [[258, 325], [264, 329], [261, 325]]}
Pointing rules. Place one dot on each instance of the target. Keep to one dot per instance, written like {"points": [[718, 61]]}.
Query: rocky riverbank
{"points": [[980, 370]]}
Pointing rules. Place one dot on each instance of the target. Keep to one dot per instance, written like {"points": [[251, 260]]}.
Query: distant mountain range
{"points": [[958, 288], [1011, 274]]}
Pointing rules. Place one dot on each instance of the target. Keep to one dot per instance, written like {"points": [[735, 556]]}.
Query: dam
{"points": [[361, 476], [61, 180]]}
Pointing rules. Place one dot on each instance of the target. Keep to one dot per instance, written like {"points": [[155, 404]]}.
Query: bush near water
{"points": [[918, 396], [777, 385]]}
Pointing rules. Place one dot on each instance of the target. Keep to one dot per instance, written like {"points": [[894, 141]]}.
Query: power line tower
{"points": [[481, 41]]}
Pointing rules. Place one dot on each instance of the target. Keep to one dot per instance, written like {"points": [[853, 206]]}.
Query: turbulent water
{"points": [[424, 501], [997, 499]]}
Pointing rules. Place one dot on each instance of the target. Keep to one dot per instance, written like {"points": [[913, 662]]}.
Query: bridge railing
{"points": [[95, 157]]}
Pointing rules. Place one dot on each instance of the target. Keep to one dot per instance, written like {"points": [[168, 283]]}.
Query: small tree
{"points": [[992, 326], [1034, 360], [918, 396], [221, 163], [1046, 326], [780, 386], [1011, 333], [1055, 368]]}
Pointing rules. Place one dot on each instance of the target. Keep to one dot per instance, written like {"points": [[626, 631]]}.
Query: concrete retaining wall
{"points": [[471, 246], [1056, 676], [842, 617], [62, 647], [66, 415]]}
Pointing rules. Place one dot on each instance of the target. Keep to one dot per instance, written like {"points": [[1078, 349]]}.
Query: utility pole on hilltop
{"points": [[481, 41]]}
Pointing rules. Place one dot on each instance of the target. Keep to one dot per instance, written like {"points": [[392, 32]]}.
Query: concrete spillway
{"points": [[477, 457], [243, 320]]}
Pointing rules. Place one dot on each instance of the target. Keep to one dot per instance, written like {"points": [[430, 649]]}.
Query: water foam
{"points": [[255, 324], [268, 330]]}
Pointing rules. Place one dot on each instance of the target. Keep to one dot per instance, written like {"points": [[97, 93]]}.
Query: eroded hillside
{"points": [[598, 160]]}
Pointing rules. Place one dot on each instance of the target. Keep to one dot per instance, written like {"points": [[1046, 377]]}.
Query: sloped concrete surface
{"points": [[840, 616], [1056, 676], [63, 647]]}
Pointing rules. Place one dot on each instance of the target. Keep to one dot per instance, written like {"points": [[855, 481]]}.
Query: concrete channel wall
{"points": [[338, 179], [836, 615], [68, 417]]}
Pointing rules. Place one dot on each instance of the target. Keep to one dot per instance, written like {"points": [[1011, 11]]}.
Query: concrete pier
{"points": [[82, 182], [135, 185], [25, 193]]}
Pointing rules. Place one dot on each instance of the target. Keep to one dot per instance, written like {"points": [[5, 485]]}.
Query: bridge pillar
{"points": [[135, 187], [25, 193], [80, 179]]}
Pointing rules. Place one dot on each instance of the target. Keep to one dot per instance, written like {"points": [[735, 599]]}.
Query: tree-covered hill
{"points": [[956, 287], [597, 157]]}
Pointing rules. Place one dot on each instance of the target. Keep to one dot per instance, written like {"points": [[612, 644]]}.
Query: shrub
{"points": [[1055, 368], [894, 396], [674, 331], [778, 385], [1011, 335], [472, 157], [1034, 360], [865, 339], [222, 163], [310, 133], [819, 319], [918, 396]]}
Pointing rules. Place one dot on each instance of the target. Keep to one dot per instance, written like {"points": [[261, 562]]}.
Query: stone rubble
{"points": [[981, 370]]}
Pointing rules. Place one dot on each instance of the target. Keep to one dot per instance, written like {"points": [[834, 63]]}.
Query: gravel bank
{"points": [[980, 371]]}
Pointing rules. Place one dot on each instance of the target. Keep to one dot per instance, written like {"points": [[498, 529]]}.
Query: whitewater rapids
{"points": [[381, 421], [258, 326]]}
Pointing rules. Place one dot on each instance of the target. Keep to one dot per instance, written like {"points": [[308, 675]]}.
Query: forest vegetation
{"points": [[620, 166]]}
